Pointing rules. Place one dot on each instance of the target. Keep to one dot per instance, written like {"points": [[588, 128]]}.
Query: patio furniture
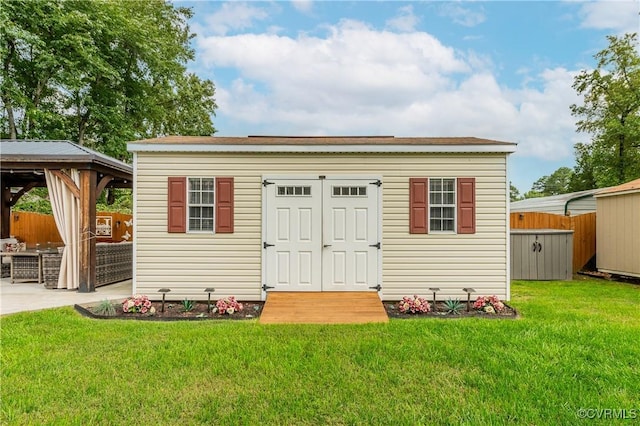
{"points": [[114, 262], [25, 265]]}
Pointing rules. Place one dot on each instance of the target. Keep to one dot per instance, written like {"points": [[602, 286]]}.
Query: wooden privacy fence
{"points": [[583, 226], [36, 228]]}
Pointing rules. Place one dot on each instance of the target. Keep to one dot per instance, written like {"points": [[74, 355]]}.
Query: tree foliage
{"points": [[514, 193], [611, 114], [99, 72], [558, 182]]}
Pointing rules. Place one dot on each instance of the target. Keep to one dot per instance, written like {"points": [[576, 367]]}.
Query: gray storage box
{"points": [[541, 254]]}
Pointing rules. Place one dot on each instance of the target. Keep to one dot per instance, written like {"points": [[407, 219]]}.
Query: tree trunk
{"points": [[6, 99]]}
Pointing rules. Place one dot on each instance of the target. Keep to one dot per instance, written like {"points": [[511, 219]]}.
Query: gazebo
{"points": [[75, 177]]}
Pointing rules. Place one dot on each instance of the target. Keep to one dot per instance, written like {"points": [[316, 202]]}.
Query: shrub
{"points": [[228, 305], [488, 304], [453, 306], [105, 308], [413, 305], [187, 305], [138, 303]]}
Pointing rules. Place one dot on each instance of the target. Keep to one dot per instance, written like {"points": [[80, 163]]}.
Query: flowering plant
{"points": [[228, 305], [488, 304], [413, 305], [138, 303]]}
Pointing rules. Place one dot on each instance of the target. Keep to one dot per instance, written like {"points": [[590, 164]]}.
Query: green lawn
{"points": [[577, 345]]}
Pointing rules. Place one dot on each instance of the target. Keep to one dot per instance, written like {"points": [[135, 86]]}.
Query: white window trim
{"points": [[189, 205], [455, 206]]}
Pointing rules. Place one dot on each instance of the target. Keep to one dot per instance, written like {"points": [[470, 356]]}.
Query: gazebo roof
{"points": [[23, 161]]}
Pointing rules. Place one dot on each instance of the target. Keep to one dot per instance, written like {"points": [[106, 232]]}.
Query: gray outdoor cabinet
{"points": [[541, 254]]}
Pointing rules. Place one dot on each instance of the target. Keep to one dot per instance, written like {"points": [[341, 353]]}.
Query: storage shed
{"points": [[618, 229], [572, 204], [251, 215]]}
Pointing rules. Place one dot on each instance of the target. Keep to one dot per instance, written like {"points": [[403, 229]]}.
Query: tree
{"points": [[611, 114], [514, 194], [100, 73], [556, 183]]}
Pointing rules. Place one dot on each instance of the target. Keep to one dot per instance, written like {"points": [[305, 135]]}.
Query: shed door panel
{"points": [[293, 226], [350, 232]]}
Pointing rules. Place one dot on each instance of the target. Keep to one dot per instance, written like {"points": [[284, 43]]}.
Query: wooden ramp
{"points": [[322, 308]]}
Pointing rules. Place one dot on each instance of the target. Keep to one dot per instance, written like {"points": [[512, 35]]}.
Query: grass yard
{"points": [[577, 346]]}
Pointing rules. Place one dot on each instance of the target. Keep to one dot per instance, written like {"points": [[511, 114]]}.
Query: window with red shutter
{"points": [[466, 205], [224, 205], [418, 188], [177, 205]]}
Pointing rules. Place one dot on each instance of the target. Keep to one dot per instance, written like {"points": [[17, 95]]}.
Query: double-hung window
{"points": [[442, 204], [201, 205]]}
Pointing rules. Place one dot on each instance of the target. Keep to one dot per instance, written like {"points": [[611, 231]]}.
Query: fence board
{"points": [[36, 228], [583, 226]]}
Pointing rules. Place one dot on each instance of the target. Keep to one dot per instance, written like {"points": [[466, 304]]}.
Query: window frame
{"points": [[454, 206], [189, 204]]}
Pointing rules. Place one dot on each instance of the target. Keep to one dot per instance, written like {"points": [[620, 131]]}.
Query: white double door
{"points": [[321, 234]]}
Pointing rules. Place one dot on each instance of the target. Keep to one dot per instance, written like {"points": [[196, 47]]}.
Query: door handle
{"points": [[539, 247], [534, 246], [326, 245]]}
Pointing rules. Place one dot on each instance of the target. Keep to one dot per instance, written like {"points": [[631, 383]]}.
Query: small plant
{"points": [[105, 309], [488, 304], [228, 305], [187, 305], [138, 303], [453, 307], [413, 305]]}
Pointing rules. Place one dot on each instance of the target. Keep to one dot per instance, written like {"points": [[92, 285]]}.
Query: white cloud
{"points": [[405, 21], [358, 80], [620, 16], [304, 6], [233, 16], [464, 16]]}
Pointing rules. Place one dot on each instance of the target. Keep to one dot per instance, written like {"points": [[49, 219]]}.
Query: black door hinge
{"points": [[265, 245], [376, 245], [377, 287], [265, 183], [377, 183], [266, 287]]}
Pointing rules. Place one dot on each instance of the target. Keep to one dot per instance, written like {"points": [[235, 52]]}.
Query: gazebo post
{"points": [[88, 184], [6, 210]]}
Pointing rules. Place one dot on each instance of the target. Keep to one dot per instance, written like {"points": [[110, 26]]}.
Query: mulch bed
{"points": [[174, 311], [441, 312]]}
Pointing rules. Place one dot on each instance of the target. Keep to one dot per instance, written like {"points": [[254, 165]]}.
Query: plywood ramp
{"points": [[322, 308]]}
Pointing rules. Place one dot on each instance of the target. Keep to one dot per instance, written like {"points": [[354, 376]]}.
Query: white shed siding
{"points": [[187, 263]]}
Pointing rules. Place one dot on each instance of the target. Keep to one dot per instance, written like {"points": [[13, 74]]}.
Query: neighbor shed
{"points": [[251, 215], [571, 204], [618, 229]]}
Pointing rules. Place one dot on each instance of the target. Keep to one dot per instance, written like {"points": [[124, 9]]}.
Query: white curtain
{"points": [[66, 212]]}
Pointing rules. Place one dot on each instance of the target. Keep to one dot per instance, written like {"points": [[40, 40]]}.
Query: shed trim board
{"points": [[236, 264]]}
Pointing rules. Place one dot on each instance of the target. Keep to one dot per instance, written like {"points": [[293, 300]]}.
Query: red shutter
{"points": [[177, 215], [224, 205], [418, 192], [466, 205]]}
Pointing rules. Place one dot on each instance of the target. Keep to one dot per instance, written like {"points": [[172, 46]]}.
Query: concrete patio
{"points": [[20, 297]]}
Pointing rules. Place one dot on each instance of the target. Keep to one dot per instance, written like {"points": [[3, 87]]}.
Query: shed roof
{"points": [[553, 203], [627, 188], [320, 144]]}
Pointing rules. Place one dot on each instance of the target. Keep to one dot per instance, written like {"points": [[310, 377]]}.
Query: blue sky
{"points": [[498, 70]]}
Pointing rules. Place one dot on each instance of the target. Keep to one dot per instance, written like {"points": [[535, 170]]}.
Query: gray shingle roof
{"points": [[51, 151]]}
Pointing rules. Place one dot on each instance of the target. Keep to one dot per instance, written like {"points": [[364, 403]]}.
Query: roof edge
{"points": [[309, 149]]}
